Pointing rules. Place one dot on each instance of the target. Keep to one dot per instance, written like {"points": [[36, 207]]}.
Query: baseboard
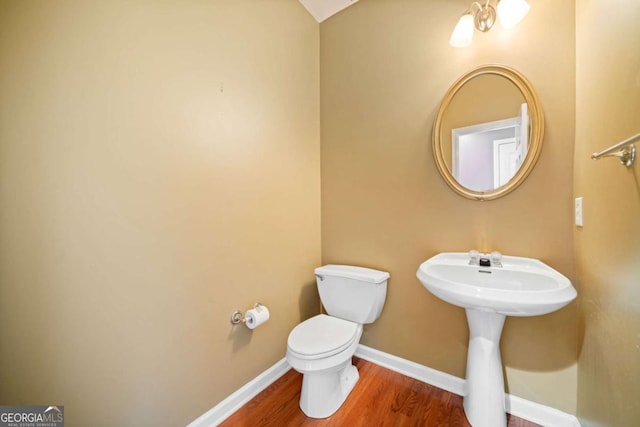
{"points": [[413, 370], [521, 408], [236, 400], [539, 414]]}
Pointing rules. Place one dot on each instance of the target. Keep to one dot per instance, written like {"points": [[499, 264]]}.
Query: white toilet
{"points": [[321, 348]]}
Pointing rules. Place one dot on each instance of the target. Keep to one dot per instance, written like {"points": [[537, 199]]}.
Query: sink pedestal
{"points": [[484, 400]]}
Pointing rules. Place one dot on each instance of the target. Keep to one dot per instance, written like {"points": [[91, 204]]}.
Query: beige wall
{"points": [[608, 246], [159, 168], [385, 65]]}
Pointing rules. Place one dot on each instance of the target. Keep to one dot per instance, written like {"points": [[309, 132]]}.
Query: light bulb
{"points": [[511, 12], [463, 32]]}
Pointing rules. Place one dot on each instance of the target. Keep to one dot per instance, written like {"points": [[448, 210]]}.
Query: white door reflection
{"points": [[487, 155]]}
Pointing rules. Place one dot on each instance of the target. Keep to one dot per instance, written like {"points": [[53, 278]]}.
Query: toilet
{"points": [[321, 347]]}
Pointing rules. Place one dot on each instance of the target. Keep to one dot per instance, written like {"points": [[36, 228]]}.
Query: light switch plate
{"points": [[578, 212]]}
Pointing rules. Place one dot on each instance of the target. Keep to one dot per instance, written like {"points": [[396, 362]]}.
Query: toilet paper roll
{"points": [[256, 316]]}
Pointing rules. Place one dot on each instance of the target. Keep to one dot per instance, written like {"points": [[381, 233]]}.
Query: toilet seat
{"points": [[322, 336]]}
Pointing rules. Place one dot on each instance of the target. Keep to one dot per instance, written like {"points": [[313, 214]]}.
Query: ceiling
{"points": [[323, 9]]}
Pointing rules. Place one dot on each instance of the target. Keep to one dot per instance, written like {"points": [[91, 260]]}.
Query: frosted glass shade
{"points": [[463, 32], [511, 12]]}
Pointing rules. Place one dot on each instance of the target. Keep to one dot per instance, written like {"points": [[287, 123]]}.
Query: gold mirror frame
{"points": [[535, 144]]}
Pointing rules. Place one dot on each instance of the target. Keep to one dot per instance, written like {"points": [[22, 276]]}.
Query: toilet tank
{"points": [[352, 293]]}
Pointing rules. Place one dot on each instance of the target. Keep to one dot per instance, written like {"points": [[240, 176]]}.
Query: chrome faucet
{"points": [[494, 259]]}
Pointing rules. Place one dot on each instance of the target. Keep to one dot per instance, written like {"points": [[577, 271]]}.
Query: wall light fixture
{"points": [[482, 18]]}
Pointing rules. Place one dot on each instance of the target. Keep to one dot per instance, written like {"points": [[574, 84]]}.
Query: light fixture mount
{"points": [[482, 17], [485, 17]]}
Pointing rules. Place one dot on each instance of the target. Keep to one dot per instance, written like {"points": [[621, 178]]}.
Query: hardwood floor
{"points": [[380, 398]]}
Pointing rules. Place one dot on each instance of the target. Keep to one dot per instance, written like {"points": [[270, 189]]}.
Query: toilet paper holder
{"points": [[237, 316]]}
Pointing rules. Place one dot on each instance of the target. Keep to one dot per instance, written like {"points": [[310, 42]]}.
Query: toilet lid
{"points": [[322, 335]]}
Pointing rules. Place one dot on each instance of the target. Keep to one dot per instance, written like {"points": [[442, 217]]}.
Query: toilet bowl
{"points": [[322, 347]]}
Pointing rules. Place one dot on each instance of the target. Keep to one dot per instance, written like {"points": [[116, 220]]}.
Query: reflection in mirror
{"points": [[487, 127], [487, 155]]}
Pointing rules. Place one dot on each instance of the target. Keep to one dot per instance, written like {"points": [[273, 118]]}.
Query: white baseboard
{"points": [[411, 369], [539, 414], [237, 399], [521, 408]]}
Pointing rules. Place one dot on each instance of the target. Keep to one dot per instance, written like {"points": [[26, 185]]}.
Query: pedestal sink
{"points": [[515, 287]]}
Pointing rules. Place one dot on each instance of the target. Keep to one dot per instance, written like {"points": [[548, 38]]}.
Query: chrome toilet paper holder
{"points": [[237, 316]]}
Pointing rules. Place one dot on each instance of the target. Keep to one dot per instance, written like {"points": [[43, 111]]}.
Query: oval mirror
{"points": [[488, 132]]}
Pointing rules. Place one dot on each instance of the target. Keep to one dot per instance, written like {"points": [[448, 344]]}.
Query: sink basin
{"points": [[521, 287]]}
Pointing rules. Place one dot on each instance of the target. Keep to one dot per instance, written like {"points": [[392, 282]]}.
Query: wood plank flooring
{"points": [[381, 398]]}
